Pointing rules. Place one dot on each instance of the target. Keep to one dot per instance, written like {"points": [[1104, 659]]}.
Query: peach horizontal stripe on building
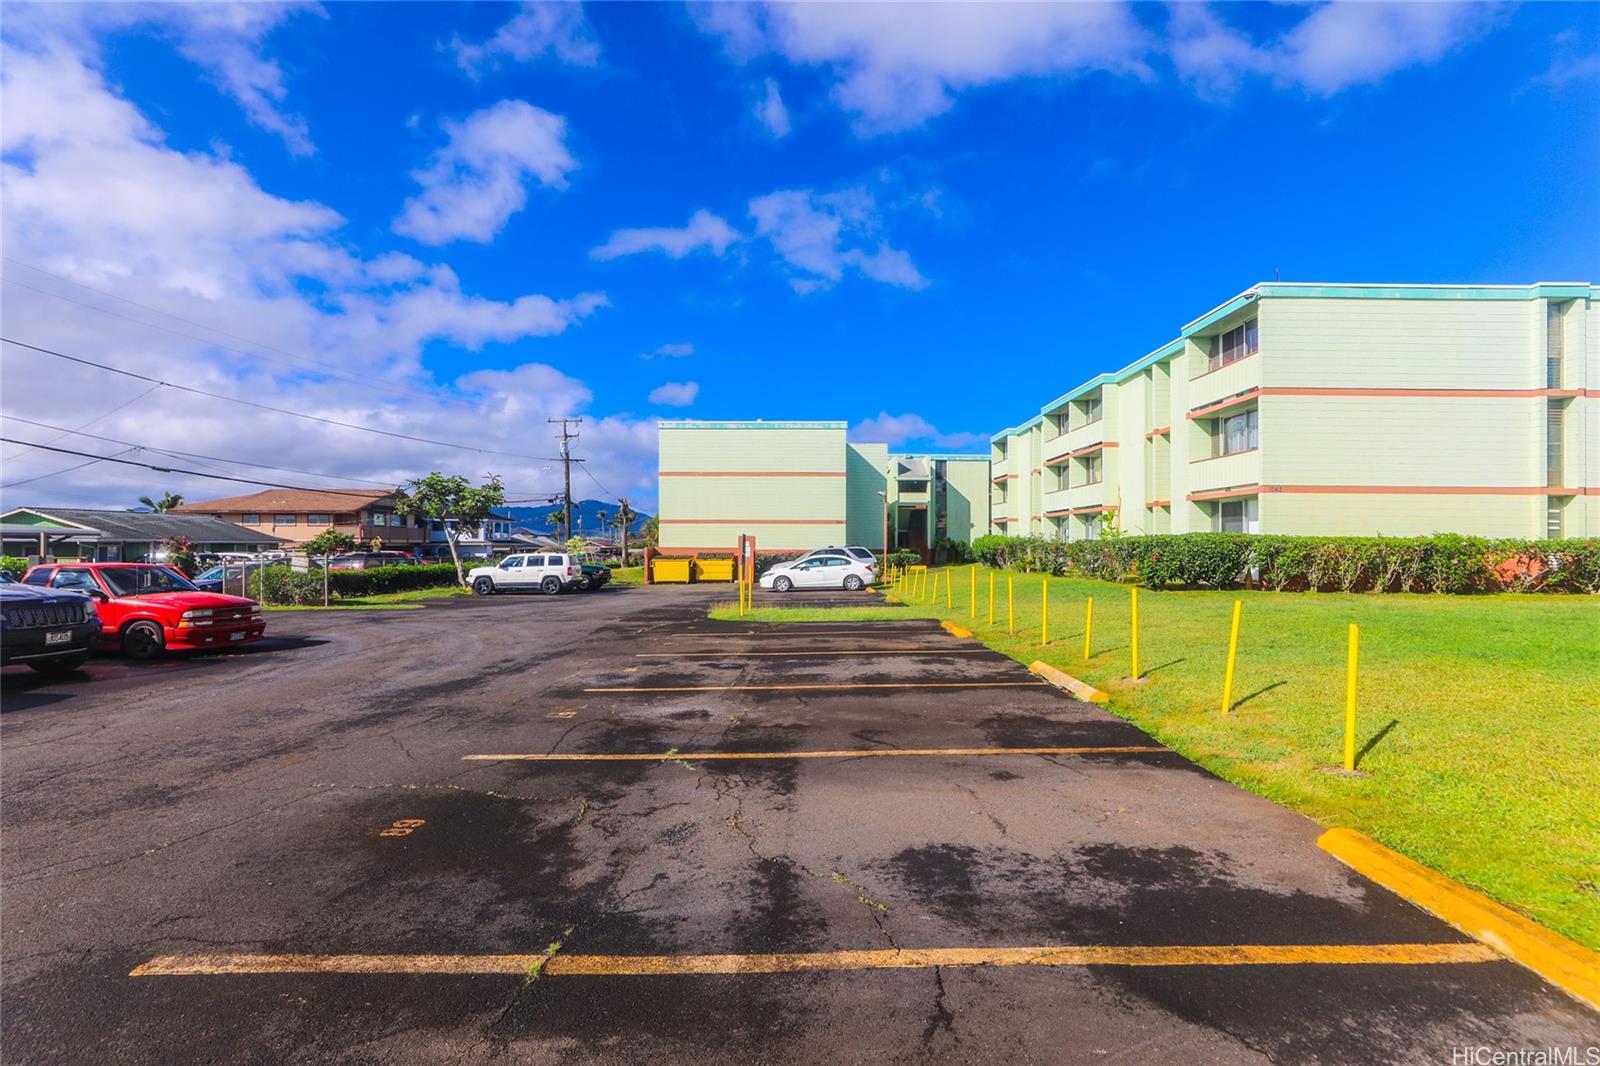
{"points": [[854, 753], [813, 961], [752, 473], [1101, 508], [1492, 394], [1056, 460], [1158, 431], [1158, 503], [1395, 490], [1224, 404]]}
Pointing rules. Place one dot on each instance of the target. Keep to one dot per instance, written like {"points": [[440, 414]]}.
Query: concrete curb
{"points": [[955, 630], [1081, 689], [1567, 965]]}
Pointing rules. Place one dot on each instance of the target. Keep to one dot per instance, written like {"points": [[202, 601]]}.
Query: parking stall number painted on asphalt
{"points": [[402, 828]]}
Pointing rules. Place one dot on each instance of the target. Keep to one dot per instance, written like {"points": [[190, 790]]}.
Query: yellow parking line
{"points": [[868, 753], [784, 688], [801, 962], [902, 650]]}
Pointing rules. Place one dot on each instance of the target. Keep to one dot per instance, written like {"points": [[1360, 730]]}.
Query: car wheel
{"points": [[143, 640], [550, 586], [484, 586], [852, 583], [585, 583], [783, 584], [64, 665]]}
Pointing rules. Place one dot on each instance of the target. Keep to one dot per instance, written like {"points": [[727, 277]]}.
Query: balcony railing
{"points": [[1225, 471]]}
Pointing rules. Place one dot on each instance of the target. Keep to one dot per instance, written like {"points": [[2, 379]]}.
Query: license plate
{"points": [[58, 638], [236, 636]]}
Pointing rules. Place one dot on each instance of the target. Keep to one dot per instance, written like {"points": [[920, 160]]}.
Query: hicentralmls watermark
{"points": [[1533, 1056]]}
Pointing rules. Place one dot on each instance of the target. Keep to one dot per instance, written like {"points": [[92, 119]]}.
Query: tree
{"points": [[180, 555], [451, 501], [650, 534], [329, 542], [169, 501], [623, 521]]}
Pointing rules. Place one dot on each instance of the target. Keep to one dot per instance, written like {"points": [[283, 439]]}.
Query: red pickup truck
{"points": [[147, 609]]}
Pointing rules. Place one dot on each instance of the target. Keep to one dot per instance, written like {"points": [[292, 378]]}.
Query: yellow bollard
{"points": [[991, 597], [1088, 626], [1044, 610], [1233, 653], [1350, 698], [1011, 607], [972, 592], [1134, 626], [949, 576]]}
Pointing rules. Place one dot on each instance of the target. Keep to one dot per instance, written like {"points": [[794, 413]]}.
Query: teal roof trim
{"points": [[945, 456], [1166, 351], [1017, 431], [692, 424], [1543, 290]]}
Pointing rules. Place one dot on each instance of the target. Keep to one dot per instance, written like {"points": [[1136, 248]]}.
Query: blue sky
{"points": [[926, 221]]}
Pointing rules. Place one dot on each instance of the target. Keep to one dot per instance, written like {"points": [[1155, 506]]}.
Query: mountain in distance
{"points": [[585, 518]]}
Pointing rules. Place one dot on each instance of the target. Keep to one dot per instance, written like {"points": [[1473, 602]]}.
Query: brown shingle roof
{"points": [[286, 500]]}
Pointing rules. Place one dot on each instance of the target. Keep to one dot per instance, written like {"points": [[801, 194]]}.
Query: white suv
{"points": [[863, 556], [527, 573]]}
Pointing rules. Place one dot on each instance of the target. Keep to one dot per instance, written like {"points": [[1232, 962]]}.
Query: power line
{"points": [[98, 418], [202, 457], [279, 410], [165, 469], [299, 362], [57, 473], [566, 468]]}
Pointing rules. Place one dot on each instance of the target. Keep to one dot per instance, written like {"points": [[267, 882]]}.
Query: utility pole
{"points": [[566, 467]]}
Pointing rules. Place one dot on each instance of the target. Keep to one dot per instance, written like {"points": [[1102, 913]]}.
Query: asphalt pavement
{"points": [[602, 828]]}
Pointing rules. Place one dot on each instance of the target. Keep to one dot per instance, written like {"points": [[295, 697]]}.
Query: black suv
{"points": [[50, 630]]}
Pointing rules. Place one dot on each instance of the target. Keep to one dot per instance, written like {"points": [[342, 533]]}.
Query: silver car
{"points": [[819, 572]]}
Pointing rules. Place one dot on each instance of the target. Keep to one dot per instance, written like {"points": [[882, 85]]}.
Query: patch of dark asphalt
{"points": [[1004, 775], [698, 715], [1092, 728], [1106, 893], [776, 911]]}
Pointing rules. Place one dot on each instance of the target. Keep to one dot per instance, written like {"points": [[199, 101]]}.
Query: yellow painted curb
{"points": [[1081, 689], [955, 630], [1565, 964], [891, 599]]}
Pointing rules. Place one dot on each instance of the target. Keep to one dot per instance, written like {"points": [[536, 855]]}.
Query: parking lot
{"points": [[605, 828]]}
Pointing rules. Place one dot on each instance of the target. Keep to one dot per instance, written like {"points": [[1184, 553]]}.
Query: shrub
{"points": [[15, 565], [1445, 563]]}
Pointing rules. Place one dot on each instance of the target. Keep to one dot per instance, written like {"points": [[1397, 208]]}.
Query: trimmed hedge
{"points": [[285, 585], [1442, 563]]}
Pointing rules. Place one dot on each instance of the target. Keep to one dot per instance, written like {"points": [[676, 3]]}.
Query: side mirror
{"points": [[97, 594]]}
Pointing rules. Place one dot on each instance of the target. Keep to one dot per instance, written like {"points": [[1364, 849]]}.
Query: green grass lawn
{"points": [[410, 600], [1478, 719], [627, 575]]}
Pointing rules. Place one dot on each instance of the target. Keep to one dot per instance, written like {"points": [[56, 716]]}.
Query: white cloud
{"points": [[669, 351], [895, 430], [895, 66], [223, 39], [1570, 64], [704, 230], [478, 180], [1333, 48], [332, 332], [675, 393], [771, 112], [822, 235], [538, 27]]}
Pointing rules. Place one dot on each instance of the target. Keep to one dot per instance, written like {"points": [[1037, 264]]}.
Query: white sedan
{"points": [[818, 572]]}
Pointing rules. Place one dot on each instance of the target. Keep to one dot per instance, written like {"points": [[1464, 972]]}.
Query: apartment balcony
{"points": [[1225, 471], [1076, 439], [1216, 385], [1076, 498]]}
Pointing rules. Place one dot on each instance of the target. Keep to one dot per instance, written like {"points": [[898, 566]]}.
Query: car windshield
{"points": [[139, 580]]}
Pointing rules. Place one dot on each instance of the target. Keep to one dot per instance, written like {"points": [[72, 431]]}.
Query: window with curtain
{"points": [[1232, 346], [1237, 433]]}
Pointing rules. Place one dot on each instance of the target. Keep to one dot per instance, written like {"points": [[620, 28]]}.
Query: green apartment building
{"points": [[801, 485], [1330, 409]]}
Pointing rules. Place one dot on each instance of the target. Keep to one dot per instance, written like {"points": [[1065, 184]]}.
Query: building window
{"points": [[1232, 346], [249, 520], [1552, 518], [319, 520], [283, 519], [1093, 468], [1555, 345], [397, 520], [344, 520], [1238, 516], [1236, 433], [1091, 527], [913, 486], [1554, 430], [1092, 409]]}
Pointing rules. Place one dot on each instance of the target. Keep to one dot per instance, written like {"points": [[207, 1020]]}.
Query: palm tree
{"points": [[622, 520], [169, 501]]}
